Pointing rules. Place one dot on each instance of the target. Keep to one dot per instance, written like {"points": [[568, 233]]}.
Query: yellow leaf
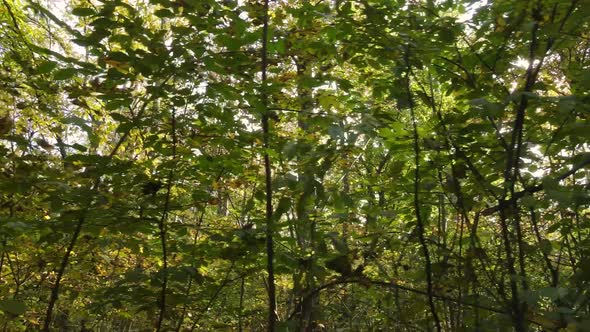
{"points": [[122, 67], [235, 184]]}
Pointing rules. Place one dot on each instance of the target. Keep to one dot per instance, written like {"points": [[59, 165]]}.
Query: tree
{"points": [[294, 166]]}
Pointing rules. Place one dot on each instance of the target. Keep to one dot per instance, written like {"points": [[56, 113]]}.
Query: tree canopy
{"points": [[326, 165]]}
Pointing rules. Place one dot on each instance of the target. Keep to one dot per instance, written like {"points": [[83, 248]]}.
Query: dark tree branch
{"points": [[344, 280], [537, 188], [272, 305], [163, 229], [60, 272], [419, 222]]}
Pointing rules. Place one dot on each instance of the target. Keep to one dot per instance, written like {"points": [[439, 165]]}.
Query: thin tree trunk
{"points": [[240, 318], [272, 305], [162, 225], [419, 221], [62, 268]]}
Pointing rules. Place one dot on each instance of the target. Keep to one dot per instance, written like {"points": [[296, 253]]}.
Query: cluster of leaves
{"points": [[429, 165]]}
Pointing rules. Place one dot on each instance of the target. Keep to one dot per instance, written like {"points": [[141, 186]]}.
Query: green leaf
{"points": [[340, 264], [288, 326], [78, 122], [545, 246], [554, 227], [327, 101], [279, 46], [79, 147], [14, 307], [164, 13], [528, 201], [560, 195], [46, 67], [282, 208], [83, 11], [135, 275], [119, 117], [64, 74], [114, 104], [552, 292]]}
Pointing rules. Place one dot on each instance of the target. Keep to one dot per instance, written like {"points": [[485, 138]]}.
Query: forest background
{"points": [[403, 165]]}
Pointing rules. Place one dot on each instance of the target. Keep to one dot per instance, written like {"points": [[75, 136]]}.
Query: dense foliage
{"points": [[365, 165]]}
